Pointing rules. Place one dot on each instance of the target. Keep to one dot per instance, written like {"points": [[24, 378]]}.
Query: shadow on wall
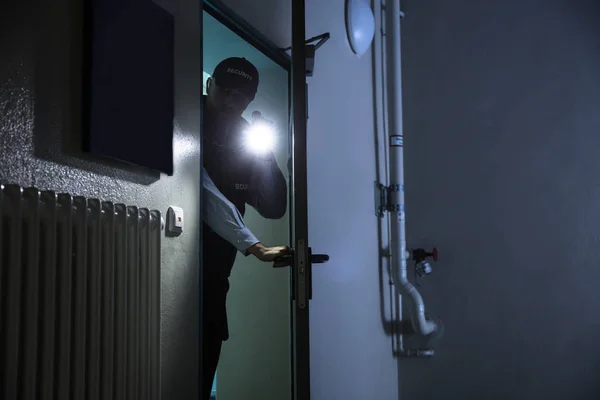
{"points": [[391, 323], [395, 314], [59, 101]]}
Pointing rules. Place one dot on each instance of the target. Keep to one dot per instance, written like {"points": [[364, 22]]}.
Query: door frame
{"points": [[297, 111], [230, 19]]}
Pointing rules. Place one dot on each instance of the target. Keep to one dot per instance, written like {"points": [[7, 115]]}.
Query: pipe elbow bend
{"points": [[427, 328], [421, 324]]}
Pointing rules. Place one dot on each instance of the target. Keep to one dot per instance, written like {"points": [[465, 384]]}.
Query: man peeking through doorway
{"points": [[242, 177]]}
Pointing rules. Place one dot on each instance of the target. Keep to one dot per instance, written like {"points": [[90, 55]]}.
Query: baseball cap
{"points": [[237, 73]]}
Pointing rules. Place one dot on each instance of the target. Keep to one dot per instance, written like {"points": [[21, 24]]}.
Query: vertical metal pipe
{"points": [[121, 308], [396, 153], [12, 210], [107, 301], [144, 303], [154, 284], [65, 297], [29, 320], [94, 321], [133, 290], [79, 231], [48, 277]]}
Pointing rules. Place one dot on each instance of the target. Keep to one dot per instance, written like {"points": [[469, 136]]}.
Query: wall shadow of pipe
{"points": [[398, 324], [391, 323], [59, 95]]}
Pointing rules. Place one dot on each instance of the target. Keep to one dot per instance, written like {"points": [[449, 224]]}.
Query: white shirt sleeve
{"points": [[223, 217]]}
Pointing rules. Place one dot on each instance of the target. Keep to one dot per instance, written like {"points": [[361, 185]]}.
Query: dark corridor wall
{"points": [[502, 125], [39, 114]]}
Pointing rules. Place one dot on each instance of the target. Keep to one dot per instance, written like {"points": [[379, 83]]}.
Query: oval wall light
{"points": [[360, 25]]}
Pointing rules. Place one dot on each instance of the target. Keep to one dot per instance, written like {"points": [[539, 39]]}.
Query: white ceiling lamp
{"points": [[360, 25]]}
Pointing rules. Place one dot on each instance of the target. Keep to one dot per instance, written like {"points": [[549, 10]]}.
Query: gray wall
{"points": [[39, 110], [502, 127]]}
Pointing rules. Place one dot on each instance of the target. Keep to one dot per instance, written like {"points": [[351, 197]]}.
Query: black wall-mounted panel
{"points": [[129, 82]]}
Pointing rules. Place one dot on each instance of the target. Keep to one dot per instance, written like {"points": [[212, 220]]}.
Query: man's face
{"points": [[227, 102]]}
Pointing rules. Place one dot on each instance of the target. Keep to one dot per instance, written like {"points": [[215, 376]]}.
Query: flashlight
{"points": [[260, 137]]}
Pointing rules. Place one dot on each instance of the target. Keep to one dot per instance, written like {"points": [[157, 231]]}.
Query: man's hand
{"points": [[267, 254]]}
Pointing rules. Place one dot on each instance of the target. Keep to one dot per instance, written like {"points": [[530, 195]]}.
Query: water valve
{"points": [[422, 265], [423, 268], [421, 255]]}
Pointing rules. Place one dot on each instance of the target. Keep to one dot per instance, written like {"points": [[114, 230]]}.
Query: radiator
{"points": [[79, 298]]}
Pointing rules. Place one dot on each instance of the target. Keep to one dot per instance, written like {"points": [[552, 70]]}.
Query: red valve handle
{"points": [[434, 254]]}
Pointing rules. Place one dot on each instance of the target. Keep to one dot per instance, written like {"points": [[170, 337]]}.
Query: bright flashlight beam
{"points": [[260, 138]]}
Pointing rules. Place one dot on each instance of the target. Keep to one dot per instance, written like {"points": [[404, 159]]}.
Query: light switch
{"points": [[178, 217], [174, 221]]}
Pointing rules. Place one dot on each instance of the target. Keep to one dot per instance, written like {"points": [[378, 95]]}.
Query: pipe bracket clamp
{"points": [[385, 199], [394, 207]]}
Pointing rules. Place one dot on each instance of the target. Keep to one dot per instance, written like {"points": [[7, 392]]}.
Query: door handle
{"points": [[319, 258], [287, 260]]}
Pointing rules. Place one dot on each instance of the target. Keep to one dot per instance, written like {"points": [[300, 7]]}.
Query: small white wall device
{"points": [[174, 221]]}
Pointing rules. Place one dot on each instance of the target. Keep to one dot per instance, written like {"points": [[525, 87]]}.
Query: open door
{"points": [[301, 258], [266, 355]]}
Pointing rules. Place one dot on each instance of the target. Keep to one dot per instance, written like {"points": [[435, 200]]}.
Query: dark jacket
{"points": [[243, 179]]}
